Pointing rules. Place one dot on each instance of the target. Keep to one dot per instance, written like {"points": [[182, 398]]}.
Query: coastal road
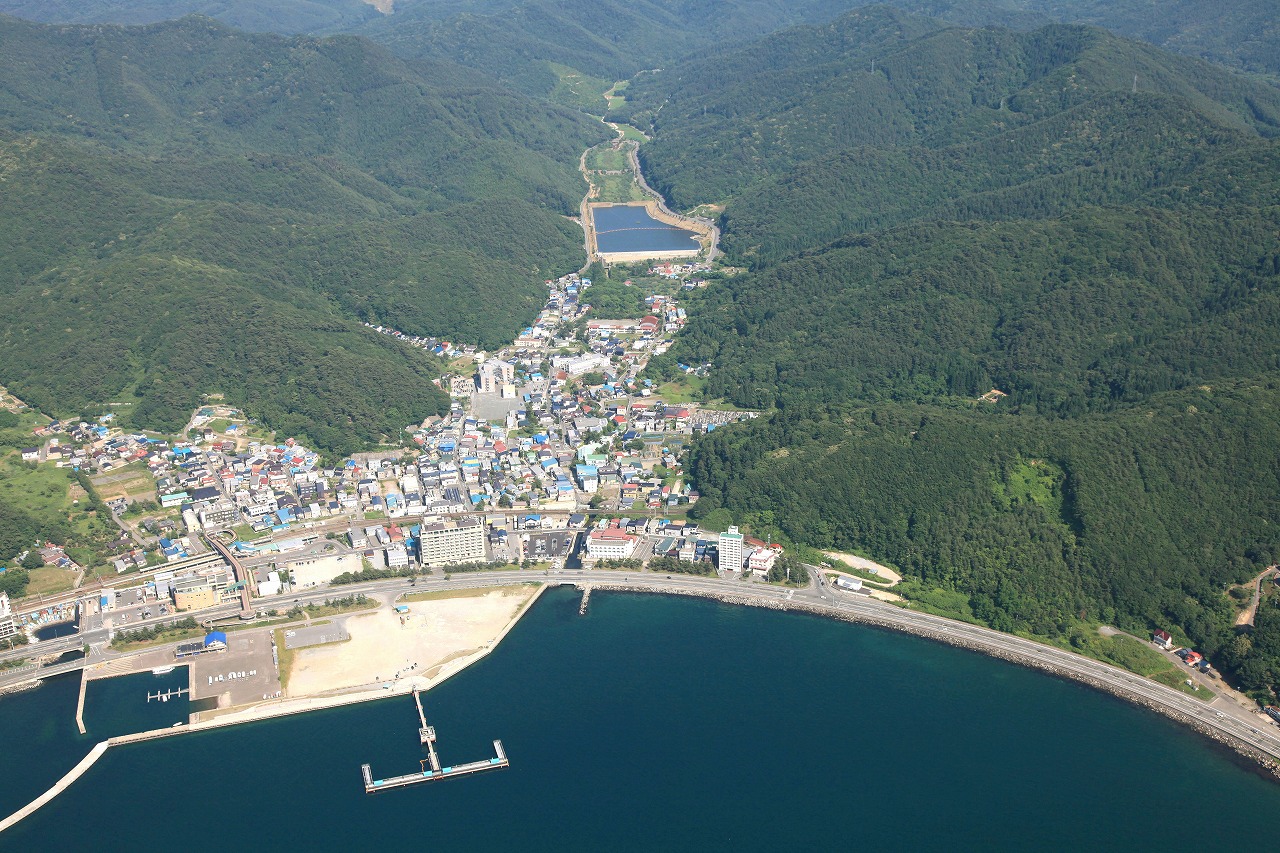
{"points": [[1251, 730]]}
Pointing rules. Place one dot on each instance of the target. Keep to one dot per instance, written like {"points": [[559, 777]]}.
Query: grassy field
{"points": [[606, 158], [45, 492], [616, 189], [634, 134], [246, 533], [614, 95], [132, 482], [684, 390], [50, 580]]}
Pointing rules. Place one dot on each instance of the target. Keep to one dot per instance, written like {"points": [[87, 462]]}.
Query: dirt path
{"points": [[1247, 615]]}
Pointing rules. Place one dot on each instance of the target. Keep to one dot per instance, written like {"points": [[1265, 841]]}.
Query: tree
{"points": [[14, 582], [505, 501], [33, 560]]}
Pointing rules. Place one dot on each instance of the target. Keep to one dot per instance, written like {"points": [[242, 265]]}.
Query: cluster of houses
{"points": [[93, 446], [1191, 658], [561, 443], [687, 272]]}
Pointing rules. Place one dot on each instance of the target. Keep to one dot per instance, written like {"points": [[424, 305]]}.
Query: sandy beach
{"points": [[440, 635]]}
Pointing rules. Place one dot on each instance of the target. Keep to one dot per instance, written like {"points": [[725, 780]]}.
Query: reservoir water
{"points": [[661, 723], [627, 228]]}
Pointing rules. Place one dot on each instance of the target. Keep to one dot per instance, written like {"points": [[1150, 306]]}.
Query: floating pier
{"points": [[431, 771], [166, 695]]}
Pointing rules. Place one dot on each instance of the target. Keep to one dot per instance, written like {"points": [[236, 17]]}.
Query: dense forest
{"points": [[926, 212], [173, 229], [995, 210]]}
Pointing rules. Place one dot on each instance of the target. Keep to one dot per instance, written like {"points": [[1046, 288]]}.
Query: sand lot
{"points": [[441, 636], [890, 576]]}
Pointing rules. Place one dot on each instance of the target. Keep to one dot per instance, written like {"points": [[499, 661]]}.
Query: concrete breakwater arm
{"points": [[60, 786]]}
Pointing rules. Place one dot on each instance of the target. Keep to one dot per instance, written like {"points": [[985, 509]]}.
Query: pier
{"points": [[586, 599], [430, 768], [166, 695]]}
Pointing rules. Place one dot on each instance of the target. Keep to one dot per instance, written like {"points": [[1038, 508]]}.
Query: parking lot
{"points": [[245, 672], [135, 605], [314, 635], [551, 545]]}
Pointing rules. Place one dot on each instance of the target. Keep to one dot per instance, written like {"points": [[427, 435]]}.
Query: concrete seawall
{"points": [[60, 786]]}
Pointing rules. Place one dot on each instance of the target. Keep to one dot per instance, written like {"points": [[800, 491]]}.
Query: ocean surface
{"points": [[632, 229], [658, 723]]}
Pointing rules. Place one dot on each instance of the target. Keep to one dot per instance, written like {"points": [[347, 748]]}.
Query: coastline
{"points": [[272, 709], [1143, 692], [1265, 762]]}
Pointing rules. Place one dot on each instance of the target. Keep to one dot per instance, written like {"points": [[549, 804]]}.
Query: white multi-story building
{"points": [[445, 542], [494, 375], [7, 626], [730, 550], [610, 544]]}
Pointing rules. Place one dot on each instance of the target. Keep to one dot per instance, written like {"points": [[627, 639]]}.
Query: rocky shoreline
{"points": [[1263, 761]]}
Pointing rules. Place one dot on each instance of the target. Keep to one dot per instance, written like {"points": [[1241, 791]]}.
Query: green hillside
{"points": [[757, 115], [1243, 34], [990, 209], [523, 43], [173, 229], [282, 16]]}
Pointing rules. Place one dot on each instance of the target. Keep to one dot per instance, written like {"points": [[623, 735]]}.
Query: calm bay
{"points": [[661, 723]]}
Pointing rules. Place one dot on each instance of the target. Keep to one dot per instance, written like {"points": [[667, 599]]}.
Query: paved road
{"points": [[1252, 730]]}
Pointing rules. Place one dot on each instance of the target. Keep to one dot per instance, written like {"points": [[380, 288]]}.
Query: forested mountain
{"points": [[520, 40], [275, 16], [189, 209], [527, 44], [877, 80], [1243, 34], [990, 209]]}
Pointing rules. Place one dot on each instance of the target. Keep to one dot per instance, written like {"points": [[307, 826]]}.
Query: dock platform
{"points": [[430, 767]]}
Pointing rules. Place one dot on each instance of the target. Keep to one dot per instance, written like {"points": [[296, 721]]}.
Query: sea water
{"points": [[664, 723]]}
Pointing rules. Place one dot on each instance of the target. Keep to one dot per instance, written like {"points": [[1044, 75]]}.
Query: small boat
{"points": [[163, 670]]}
